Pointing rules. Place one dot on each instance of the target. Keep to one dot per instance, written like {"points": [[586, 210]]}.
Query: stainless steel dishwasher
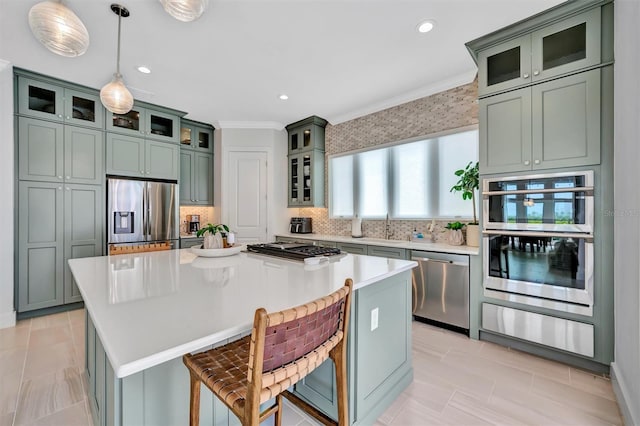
{"points": [[441, 289]]}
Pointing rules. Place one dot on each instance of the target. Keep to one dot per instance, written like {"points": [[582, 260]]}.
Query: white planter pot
{"points": [[473, 235], [212, 241], [455, 237]]}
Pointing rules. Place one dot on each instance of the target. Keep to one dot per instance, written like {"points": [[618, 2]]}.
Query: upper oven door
{"points": [[558, 202]]}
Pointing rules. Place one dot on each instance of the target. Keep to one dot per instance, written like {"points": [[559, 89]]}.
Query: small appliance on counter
{"points": [[193, 223], [300, 225]]}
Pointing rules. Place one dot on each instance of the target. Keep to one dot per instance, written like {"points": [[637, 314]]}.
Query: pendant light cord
{"points": [[118, 58]]}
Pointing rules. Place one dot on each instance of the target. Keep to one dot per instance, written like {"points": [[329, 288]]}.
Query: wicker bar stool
{"points": [[283, 348]]}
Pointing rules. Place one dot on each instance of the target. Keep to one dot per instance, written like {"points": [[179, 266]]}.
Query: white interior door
{"points": [[247, 194]]}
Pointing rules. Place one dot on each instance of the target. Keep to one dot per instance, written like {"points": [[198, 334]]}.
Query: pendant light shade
{"points": [[185, 10], [114, 95], [58, 29]]}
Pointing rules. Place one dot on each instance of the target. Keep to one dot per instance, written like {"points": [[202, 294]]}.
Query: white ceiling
{"points": [[338, 59]]}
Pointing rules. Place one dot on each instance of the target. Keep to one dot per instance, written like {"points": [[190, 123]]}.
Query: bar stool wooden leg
{"points": [[278, 418], [194, 401], [339, 360]]}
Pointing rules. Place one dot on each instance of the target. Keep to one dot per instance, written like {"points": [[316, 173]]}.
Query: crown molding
{"points": [[441, 86], [271, 125]]}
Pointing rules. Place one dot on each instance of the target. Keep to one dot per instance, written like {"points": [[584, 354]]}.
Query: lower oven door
{"points": [[552, 270]]}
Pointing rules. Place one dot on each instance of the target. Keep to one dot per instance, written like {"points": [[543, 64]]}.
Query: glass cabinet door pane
{"points": [[293, 141], [130, 120], [185, 136], [161, 126], [564, 47], [503, 66], [306, 138], [293, 170], [83, 109], [306, 171], [43, 100], [203, 140]]}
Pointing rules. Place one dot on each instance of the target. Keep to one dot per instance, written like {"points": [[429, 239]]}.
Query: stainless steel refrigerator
{"points": [[141, 212]]}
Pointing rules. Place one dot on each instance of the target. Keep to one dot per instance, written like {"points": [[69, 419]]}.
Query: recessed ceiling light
{"points": [[144, 70], [426, 26], [283, 97]]}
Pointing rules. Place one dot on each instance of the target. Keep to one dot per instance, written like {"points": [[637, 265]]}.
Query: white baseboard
{"points": [[629, 407], [7, 319]]}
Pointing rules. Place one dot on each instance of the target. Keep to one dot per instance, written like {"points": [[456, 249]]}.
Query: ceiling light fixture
{"points": [[426, 26], [144, 70], [185, 10], [114, 95], [283, 97], [58, 28]]}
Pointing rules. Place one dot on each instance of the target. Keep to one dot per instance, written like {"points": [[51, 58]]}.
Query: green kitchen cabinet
{"points": [[57, 222], [138, 157], [190, 242], [196, 135], [196, 178], [549, 125], [306, 135], [148, 122], [388, 252], [53, 152], [554, 49], [306, 163], [49, 101], [352, 248]]}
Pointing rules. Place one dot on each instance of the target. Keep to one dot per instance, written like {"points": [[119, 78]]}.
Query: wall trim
{"points": [[624, 400], [7, 319], [422, 92], [270, 125]]}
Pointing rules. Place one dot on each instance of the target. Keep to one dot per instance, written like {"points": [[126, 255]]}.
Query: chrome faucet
{"points": [[387, 231]]}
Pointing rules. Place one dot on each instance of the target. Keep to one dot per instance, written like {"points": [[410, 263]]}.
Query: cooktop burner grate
{"points": [[298, 251]]}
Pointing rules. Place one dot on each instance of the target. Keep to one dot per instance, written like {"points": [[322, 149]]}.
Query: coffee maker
{"points": [[193, 223]]}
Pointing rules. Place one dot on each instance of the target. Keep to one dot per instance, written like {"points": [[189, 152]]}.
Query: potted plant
{"points": [[213, 235], [455, 233], [468, 184]]}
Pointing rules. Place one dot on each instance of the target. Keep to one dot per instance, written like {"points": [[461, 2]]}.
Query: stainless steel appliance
{"points": [[140, 212], [441, 289], [296, 251], [538, 240], [193, 223], [300, 225]]}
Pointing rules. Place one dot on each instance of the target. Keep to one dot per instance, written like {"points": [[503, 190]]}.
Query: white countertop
{"points": [[411, 245], [149, 308]]}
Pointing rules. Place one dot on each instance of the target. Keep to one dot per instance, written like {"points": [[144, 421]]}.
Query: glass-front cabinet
{"points": [[195, 135], [306, 135], [52, 102], [557, 49], [146, 122], [306, 179]]}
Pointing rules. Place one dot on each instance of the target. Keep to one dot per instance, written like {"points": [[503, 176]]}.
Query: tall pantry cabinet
{"points": [[60, 193]]}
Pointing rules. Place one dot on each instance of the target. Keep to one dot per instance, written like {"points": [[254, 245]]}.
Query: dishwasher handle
{"points": [[447, 262]]}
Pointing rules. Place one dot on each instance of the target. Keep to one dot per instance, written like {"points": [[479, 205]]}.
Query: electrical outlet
{"points": [[374, 319]]}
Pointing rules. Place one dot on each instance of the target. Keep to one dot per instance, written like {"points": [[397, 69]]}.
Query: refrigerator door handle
{"points": [[145, 214]]}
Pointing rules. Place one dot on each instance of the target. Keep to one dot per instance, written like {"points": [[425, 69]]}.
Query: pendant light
{"points": [[114, 95], [58, 28], [185, 10]]}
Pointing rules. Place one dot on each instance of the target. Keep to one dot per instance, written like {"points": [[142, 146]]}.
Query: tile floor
{"points": [[457, 381]]}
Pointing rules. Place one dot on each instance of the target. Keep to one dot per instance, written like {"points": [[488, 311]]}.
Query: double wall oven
{"points": [[538, 240]]}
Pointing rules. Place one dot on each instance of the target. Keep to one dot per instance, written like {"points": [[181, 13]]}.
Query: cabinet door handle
{"points": [[142, 171], [536, 72], [536, 161], [526, 162], [59, 177], [525, 75], [68, 189], [59, 115], [68, 177], [68, 118], [59, 188]]}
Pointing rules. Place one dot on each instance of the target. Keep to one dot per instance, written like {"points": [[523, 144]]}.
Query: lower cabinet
{"points": [[56, 222], [190, 242], [389, 252], [196, 178], [138, 157], [352, 248]]}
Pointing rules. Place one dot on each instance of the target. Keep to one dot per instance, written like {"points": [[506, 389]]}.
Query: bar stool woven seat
{"points": [[283, 348]]}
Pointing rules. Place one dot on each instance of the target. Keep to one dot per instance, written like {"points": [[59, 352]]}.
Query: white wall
{"points": [[7, 312], [625, 370], [275, 143]]}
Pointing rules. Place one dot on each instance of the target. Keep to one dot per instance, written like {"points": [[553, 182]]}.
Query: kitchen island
{"points": [[144, 311]]}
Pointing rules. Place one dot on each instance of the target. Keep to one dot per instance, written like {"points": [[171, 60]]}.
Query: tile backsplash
{"points": [[207, 215]]}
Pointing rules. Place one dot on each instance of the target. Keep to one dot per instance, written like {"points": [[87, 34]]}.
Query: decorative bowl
{"points": [[199, 251]]}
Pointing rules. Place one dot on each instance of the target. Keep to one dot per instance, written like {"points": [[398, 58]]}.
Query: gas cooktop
{"points": [[297, 251]]}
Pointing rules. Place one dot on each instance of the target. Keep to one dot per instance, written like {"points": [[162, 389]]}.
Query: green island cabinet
{"points": [[196, 163], [306, 162], [539, 84], [57, 222], [48, 99]]}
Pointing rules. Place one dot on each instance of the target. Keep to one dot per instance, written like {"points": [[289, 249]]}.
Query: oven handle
{"points": [[587, 237], [587, 189]]}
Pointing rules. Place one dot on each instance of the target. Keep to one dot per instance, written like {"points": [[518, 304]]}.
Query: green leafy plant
{"points": [[212, 229], [454, 225], [468, 184]]}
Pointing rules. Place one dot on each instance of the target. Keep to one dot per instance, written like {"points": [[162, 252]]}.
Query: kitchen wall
{"points": [[451, 109], [207, 215], [7, 313], [625, 370]]}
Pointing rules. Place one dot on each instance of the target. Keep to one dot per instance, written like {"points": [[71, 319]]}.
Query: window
{"points": [[408, 180]]}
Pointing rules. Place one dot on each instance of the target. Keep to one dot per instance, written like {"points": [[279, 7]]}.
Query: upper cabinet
{"points": [[306, 163], [306, 135], [139, 157], [49, 101], [146, 122], [556, 49], [195, 135]]}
